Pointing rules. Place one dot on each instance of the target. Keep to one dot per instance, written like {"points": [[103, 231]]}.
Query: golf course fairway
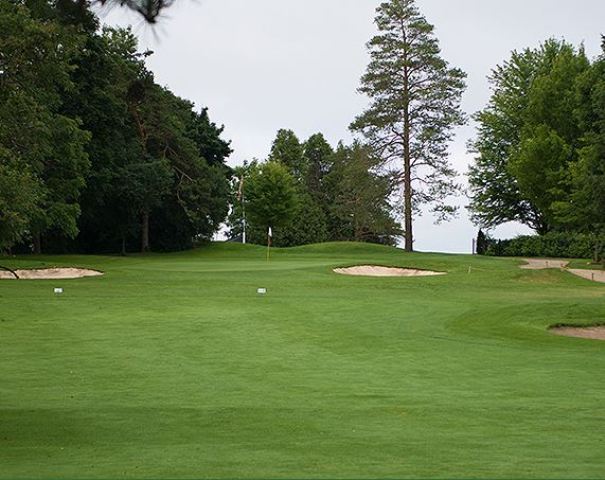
{"points": [[173, 366]]}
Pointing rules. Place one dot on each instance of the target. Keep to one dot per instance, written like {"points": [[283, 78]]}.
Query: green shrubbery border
{"points": [[552, 245]]}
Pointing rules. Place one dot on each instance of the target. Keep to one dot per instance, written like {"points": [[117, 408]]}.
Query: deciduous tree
{"points": [[288, 151], [270, 196], [36, 62], [584, 209], [528, 136]]}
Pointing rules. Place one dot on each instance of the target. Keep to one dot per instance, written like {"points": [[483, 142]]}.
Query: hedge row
{"points": [[559, 244]]}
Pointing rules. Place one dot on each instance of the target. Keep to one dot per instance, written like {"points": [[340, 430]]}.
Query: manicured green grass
{"points": [[585, 264], [171, 366]]}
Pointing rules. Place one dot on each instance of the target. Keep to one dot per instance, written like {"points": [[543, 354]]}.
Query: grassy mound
{"points": [[172, 366]]}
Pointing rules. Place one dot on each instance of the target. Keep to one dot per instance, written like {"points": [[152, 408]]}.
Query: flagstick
{"points": [[268, 246], [269, 236]]}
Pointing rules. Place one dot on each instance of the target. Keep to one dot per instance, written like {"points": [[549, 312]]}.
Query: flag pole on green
{"points": [[269, 237]]}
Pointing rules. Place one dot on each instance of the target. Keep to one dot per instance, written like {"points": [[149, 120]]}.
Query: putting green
{"points": [[172, 366]]}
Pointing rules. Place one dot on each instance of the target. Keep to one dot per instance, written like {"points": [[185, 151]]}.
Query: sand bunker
{"points": [[594, 275], [375, 271], [593, 333], [50, 274], [543, 263]]}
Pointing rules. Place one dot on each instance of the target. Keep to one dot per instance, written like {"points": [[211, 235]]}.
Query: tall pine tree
{"points": [[415, 107]]}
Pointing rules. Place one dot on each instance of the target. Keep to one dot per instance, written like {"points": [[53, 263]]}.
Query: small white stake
{"points": [[58, 291], [262, 291]]}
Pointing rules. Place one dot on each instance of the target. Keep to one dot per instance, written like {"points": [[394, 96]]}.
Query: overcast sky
{"points": [[262, 65]]}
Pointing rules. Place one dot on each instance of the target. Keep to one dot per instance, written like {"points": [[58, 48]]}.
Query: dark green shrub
{"points": [[555, 244], [483, 243]]}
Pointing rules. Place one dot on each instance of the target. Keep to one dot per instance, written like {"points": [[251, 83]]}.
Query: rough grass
{"points": [[171, 366]]}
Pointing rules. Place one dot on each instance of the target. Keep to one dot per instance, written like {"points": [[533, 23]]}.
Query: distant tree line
{"points": [[349, 194], [550, 245], [95, 156], [540, 148], [307, 192]]}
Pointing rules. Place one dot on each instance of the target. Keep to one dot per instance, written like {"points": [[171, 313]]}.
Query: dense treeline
{"points": [[541, 143], [550, 245], [348, 194], [307, 192], [95, 156]]}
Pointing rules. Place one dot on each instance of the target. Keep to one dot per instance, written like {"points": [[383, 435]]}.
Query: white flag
{"points": [[270, 232]]}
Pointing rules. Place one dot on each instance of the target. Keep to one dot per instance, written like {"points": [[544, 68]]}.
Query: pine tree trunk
{"points": [[407, 177], [37, 244], [123, 245], [356, 229], [407, 186], [145, 232]]}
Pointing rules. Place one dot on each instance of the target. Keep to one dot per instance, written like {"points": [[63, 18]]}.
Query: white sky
{"points": [[262, 65]]}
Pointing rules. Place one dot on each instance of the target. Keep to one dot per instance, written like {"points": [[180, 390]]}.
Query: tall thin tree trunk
{"points": [[123, 245], [407, 194], [145, 232], [37, 241], [407, 161], [356, 229], [407, 185], [407, 182]]}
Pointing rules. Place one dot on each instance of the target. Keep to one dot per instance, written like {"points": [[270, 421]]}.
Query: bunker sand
{"points": [[377, 271], [592, 333], [594, 275], [545, 263], [50, 274]]}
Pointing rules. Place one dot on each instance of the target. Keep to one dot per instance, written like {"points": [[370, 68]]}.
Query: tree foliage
{"points": [[344, 195], [359, 197], [528, 138], [19, 200], [107, 158], [415, 105], [150, 10], [35, 136], [584, 208], [482, 243], [270, 196], [288, 151], [318, 159]]}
